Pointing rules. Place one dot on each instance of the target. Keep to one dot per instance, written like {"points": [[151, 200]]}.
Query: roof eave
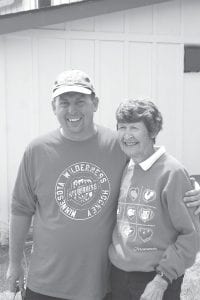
{"points": [[66, 12]]}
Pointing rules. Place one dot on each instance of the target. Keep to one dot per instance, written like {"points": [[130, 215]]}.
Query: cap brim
{"points": [[68, 89]]}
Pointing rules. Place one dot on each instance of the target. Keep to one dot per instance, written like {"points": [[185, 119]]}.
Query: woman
{"points": [[156, 237]]}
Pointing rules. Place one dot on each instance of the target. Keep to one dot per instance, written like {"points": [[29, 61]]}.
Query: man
{"points": [[69, 180]]}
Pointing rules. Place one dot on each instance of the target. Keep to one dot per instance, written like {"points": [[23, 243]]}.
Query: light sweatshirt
{"points": [[154, 227]]}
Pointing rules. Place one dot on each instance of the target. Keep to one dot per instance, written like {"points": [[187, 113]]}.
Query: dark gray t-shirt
{"points": [[72, 188]]}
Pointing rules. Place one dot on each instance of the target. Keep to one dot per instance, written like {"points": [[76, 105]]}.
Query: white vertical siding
{"points": [[140, 70], [169, 96], [110, 23], [18, 70], [133, 53], [51, 61], [140, 20], [111, 71], [191, 122], [86, 60], [191, 18], [167, 18], [85, 25], [4, 199]]}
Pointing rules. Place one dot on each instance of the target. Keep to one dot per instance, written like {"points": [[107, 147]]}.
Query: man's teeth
{"points": [[74, 120]]}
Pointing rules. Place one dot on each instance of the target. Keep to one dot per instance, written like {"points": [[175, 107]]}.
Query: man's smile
{"points": [[73, 119]]}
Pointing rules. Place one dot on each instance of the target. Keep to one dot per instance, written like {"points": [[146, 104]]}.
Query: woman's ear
{"points": [[154, 134]]}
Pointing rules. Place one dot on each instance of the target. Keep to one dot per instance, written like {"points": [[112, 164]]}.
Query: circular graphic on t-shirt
{"points": [[82, 190]]}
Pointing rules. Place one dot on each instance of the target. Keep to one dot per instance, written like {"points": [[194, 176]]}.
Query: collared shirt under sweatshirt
{"points": [[154, 227]]}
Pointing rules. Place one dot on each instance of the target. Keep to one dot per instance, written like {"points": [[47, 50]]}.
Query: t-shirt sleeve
{"points": [[23, 198]]}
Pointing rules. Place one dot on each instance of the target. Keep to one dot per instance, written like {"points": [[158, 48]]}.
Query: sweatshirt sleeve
{"points": [[181, 254], [23, 197]]}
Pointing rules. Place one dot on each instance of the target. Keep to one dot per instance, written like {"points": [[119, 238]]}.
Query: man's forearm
{"points": [[19, 226], [192, 197]]}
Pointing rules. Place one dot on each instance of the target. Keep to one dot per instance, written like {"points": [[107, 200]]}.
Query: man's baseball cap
{"points": [[72, 81]]}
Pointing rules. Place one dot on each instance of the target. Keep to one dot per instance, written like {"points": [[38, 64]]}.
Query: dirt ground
{"points": [[190, 287]]}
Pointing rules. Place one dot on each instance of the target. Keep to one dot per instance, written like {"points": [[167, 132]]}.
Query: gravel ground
{"points": [[190, 287]]}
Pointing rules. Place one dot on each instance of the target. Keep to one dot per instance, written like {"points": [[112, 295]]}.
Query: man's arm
{"points": [[19, 226], [192, 198]]}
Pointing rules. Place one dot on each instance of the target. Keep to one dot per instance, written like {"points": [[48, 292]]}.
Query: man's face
{"points": [[75, 112], [135, 140]]}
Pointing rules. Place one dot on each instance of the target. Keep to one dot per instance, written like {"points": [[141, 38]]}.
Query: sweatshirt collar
{"points": [[147, 164]]}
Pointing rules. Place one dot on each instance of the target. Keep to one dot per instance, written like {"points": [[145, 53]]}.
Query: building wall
{"points": [[134, 53]]}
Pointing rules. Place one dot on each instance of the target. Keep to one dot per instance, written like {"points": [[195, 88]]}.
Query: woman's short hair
{"points": [[133, 111]]}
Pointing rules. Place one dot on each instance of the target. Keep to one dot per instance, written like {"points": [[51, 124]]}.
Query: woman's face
{"points": [[135, 140]]}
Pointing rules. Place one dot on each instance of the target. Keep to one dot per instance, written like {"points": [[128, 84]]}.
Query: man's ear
{"points": [[96, 103], [53, 105]]}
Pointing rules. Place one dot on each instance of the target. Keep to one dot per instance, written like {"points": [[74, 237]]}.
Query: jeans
{"points": [[30, 295], [131, 285]]}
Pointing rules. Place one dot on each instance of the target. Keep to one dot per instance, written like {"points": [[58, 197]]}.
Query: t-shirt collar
{"points": [[146, 164]]}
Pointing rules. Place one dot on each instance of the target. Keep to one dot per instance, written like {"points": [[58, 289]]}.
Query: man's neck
{"points": [[77, 137]]}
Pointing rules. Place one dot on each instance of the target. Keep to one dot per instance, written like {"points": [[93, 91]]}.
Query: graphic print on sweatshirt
{"points": [[136, 217], [82, 190]]}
